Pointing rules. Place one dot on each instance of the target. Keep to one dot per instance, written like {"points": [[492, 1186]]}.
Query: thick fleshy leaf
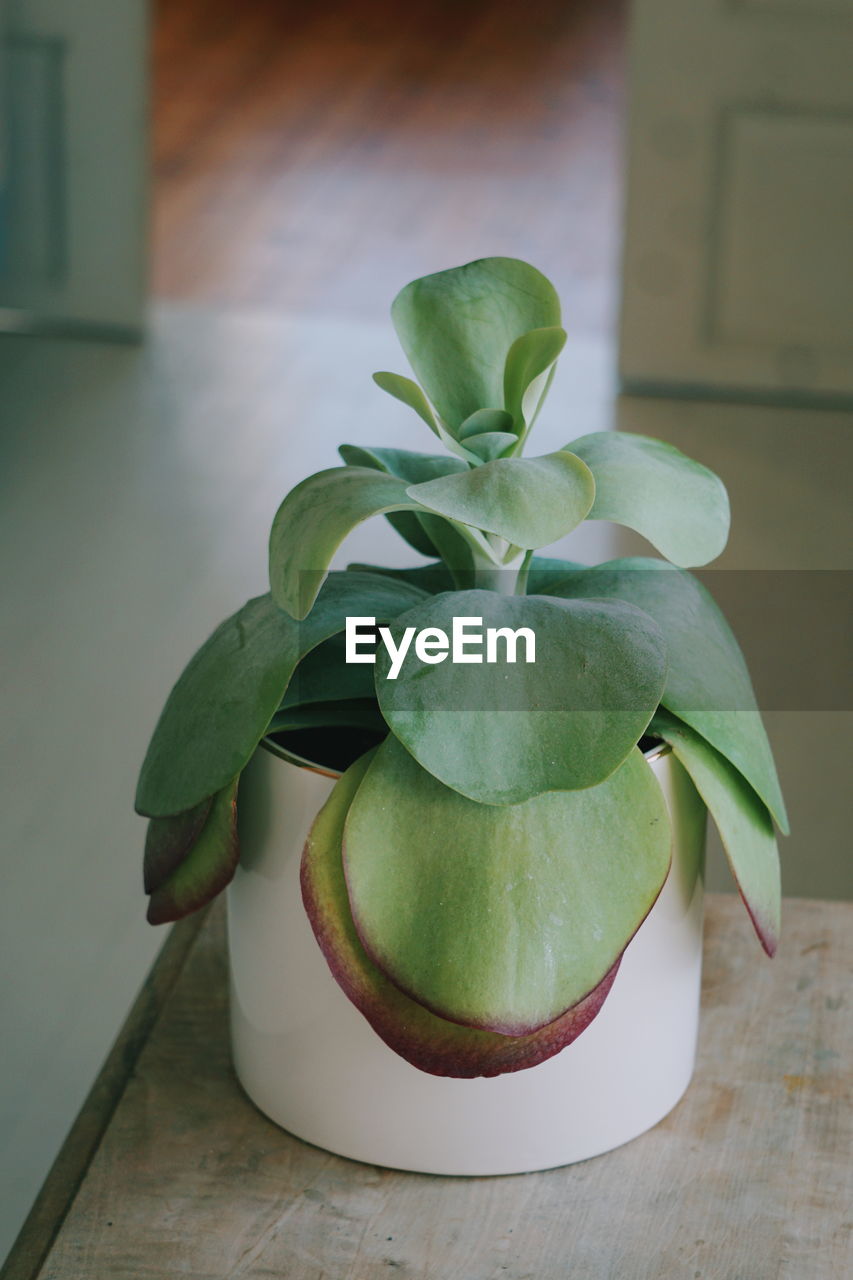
{"points": [[207, 868], [431, 578], [220, 707], [491, 444], [707, 684], [535, 398], [501, 918], [313, 521], [404, 463], [680, 506], [169, 840], [526, 372], [408, 525], [487, 421], [457, 327], [438, 577], [409, 393], [428, 533], [412, 467], [502, 732], [458, 546], [546, 571], [528, 501], [426, 1041], [324, 675], [358, 713], [745, 825]]}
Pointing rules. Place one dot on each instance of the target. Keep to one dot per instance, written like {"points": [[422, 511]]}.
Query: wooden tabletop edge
{"points": [[34, 1244], [54, 1200]]}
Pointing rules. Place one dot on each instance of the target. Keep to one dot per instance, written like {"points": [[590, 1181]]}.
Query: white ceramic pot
{"points": [[311, 1062]]}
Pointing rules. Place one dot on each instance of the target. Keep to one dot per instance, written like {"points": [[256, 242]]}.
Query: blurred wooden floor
{"points": [[315, 157]]}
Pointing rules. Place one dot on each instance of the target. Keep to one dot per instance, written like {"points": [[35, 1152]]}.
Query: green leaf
{"points": [[207, 868], [502, 732], [459, 547], [431, 578], [407, 465], [546, 572], [491, 444], [487, 421], [221, 705], [707, 685], [409, 393], [528, 361], [219, 708], [501, 918], [324, 675], [408, 525], [457, 327], [313, 521], [529, 501], [169, 840], [533, 406], [360, 713], [412, 467], [428, 1042], [745, 826], [680, 506]]}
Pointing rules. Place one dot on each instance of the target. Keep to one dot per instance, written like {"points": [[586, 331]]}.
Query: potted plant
{"points": [[498, 765]]}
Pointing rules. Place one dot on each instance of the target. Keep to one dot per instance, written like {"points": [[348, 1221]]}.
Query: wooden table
{"points": [[170, 1171]]}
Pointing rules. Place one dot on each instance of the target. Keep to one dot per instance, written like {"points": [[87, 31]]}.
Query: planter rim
{"points": [[654, 753]]}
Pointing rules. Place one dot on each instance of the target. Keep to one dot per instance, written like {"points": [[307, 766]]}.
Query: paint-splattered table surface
{"points": [[171, 1172]]}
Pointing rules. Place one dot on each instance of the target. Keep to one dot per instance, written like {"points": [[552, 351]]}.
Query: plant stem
{"points": [[521, 576]]}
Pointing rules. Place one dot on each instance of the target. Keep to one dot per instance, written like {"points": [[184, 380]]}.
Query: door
{"points": [[73, 161], [738, 264]]}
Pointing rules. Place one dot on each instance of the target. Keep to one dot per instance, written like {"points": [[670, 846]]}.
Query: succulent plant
{"points": [[497, 835]]}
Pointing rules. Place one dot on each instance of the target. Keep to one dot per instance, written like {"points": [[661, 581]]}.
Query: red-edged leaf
{"points": [[207, 868], [423, 1039], [169, 840]]}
